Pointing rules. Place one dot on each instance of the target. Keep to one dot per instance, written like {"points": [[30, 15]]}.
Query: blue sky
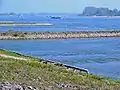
{"points": [[54, 6]]}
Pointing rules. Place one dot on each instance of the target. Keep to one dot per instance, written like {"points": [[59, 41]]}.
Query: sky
{"points": [[54, 6]]}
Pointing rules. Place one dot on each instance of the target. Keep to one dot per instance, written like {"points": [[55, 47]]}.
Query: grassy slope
{"points": [[45, 76]]}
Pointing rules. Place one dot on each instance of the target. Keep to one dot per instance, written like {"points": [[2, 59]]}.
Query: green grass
{"points": [[6, 52], [9, 53], [43, 76]]}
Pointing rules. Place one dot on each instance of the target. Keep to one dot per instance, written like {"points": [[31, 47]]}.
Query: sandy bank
{"points": [[25, 24]]}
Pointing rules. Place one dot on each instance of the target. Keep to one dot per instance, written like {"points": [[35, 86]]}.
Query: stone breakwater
{"points": [[57, 35]]}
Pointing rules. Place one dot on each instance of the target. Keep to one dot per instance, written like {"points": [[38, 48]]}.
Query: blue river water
{"points": [[100, 56], [68, 22]]}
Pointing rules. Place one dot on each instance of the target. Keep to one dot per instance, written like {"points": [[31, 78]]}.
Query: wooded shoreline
{"points": [[57, 35]]}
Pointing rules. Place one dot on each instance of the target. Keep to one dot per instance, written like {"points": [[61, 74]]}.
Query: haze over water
{"points": [[68, 22]]}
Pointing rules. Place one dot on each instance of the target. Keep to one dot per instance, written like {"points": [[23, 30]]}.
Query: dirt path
{"points": [[13, 57]]}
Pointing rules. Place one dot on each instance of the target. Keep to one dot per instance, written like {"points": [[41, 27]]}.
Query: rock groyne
{"points": [[57, 35]]}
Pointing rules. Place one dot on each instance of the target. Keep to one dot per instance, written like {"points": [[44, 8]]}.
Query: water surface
{"points": [[68, 22], [100, 56]]}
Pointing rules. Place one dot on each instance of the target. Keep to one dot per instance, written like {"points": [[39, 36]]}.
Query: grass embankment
{"points": [[48, 76], [17, 55]]}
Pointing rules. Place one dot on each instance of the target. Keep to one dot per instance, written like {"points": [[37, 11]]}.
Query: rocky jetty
{"points": [[57, 35]]}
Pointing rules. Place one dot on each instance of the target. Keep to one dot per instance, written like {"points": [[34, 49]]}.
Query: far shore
{"points": [[106, 16], [57, 35], [101, 16]]}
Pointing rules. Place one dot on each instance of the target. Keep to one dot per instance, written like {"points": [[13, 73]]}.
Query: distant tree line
{"points": [[93, 11]]}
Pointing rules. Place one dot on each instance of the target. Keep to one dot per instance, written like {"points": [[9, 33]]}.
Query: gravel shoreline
{"points": [[15, 86]]}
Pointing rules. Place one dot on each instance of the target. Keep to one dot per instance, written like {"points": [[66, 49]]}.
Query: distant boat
{"points": [[52, 17]]}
